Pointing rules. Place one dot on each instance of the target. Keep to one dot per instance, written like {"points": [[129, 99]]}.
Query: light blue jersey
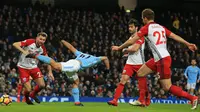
{"points": [[192, 73], [87, 60]]}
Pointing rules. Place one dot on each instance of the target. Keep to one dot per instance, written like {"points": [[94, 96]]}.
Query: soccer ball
{"points": [[5, 100]]}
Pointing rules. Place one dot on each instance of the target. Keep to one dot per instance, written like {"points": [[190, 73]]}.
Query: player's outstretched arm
{"points": [[106, 61], [191, 46], [133, 48], [17, 45], [127, 43], [68, 45]]}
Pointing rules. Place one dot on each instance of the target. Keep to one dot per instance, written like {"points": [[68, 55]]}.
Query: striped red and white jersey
{"points": [[137, 58], [30, 46], [155, 35]]}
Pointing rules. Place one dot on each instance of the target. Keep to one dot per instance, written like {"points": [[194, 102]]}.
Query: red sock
{"points": [[35, 91], [19, 89], [118, 91], [177, 91], [142, 84]]}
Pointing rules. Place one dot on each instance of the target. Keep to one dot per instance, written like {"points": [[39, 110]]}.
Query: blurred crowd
{"points": [[94, 33]]}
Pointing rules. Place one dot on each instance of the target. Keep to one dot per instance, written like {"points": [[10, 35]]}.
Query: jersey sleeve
{"points": [[77, 53], [27, 42], [143, 31], [44, 50], [168, 32], [140, 41]]}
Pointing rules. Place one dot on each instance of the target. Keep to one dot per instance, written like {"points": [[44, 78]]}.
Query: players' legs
{"points": [[49, 61], [163, 68], [75, 90], [106, 61], [144, 70], [175, 90], [37, 76], [191, 88], [24, 77], [27, 87], [19, 89], [144, 95], [126, 74]]}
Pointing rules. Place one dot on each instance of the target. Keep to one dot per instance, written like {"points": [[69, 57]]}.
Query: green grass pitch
{"points": [[95, 107]]}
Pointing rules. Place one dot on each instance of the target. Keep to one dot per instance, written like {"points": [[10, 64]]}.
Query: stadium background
{"points": [[93, 26]]}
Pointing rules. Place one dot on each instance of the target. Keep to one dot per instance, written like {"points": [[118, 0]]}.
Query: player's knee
{"points": [[124, 79], [140, 74], [28, 90], [166, 87], [56, 66]]}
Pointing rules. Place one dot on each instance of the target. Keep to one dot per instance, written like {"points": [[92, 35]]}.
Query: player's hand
{"points": [[125, 51], [192, 47], [50, 76], [115, 48], [198, 81]]}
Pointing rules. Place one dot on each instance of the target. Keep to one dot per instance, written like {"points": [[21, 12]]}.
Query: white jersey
{"points": [[137, 58], [29, 45], [156, 38]]}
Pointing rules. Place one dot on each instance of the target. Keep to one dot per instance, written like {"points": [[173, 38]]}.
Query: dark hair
{"points": [[148, 13], [134, 21], [193, 59], [42, 34]]}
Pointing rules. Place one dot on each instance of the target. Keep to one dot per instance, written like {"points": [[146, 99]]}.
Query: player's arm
{"points": [[18, 45], [68, 45], [186, 71], [132, 49], [143, 31], [129, 42], [192, 47]]}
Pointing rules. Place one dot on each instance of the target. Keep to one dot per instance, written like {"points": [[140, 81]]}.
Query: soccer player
{"points": [[28, 67], [191, 73], [133, 63], [72, 66], [156, 35]]}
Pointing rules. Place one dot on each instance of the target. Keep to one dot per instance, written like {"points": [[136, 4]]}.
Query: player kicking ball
{"points": [[72, 66]]}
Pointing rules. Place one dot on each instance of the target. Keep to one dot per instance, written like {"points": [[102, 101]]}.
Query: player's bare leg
{"points": [[177, 91], [119, 90], [46, 60], [106, 61], [191, 91], [27, 91], [75, 93], [40, 85], [144, 70]]}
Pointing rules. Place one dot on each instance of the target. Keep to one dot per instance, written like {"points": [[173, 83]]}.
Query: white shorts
{"points": [[72, 66], [191, 85]]}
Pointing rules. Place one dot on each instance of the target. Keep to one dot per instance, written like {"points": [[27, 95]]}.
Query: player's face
{"points": [[40, 40], [193, 62], [132, 28]]}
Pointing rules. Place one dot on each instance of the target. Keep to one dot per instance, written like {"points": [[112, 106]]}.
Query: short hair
{"points": [[148, 13], [42, 34], [134, 21]]}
